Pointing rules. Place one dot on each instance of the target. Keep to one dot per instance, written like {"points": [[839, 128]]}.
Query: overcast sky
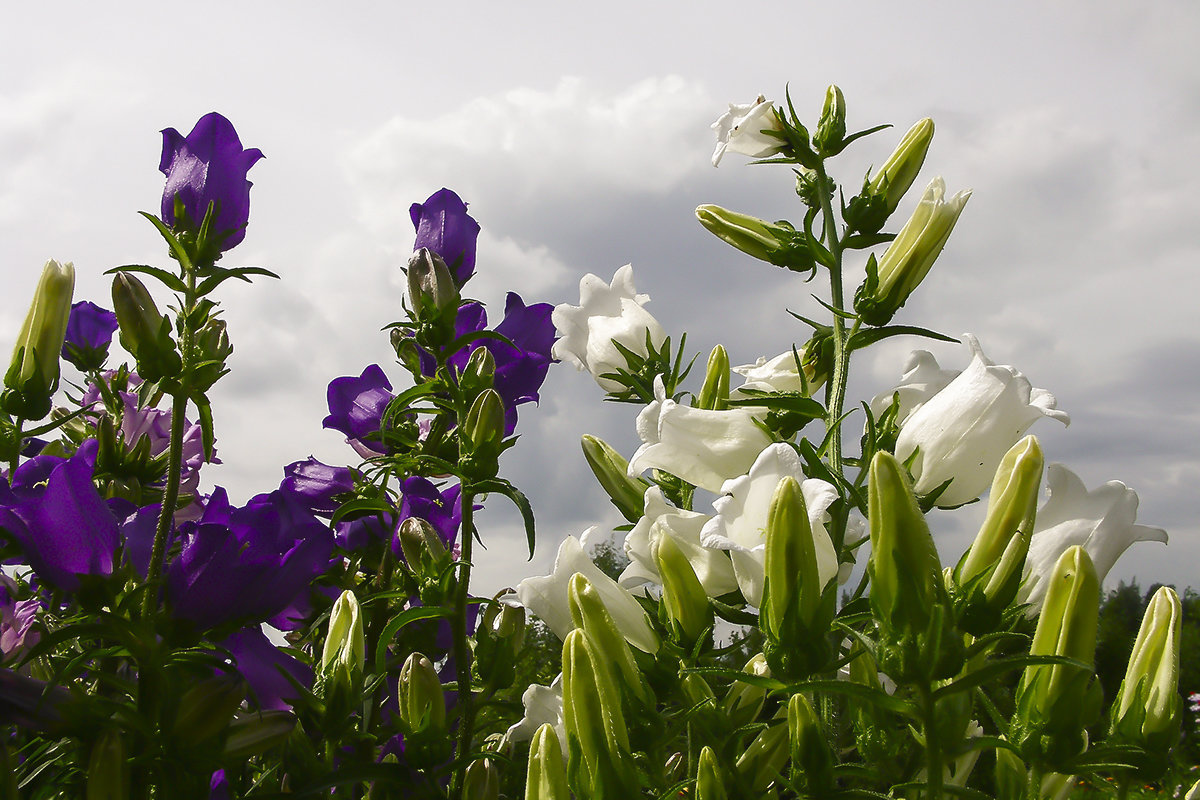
{"points": [[579, 135]]}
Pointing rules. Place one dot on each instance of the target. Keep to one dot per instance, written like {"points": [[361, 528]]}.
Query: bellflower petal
{"points": [[444, 226], [208, 165], [740, 130], [703, 447], [547, 597], [443, 510], [265, 668], [741, 520], [315, 484], [1102, 521], [90, 329], [961, 432], [356, 406], [606, 314], [712, 567], [543, 706]]}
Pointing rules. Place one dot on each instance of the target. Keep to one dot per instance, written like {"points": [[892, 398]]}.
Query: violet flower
{"points": [[265, 668], [16, 618], [356, 407], [58, 519], [207, 166], [444, 226], [90, 329], [443, 510], [316, 485], [247, 564]]}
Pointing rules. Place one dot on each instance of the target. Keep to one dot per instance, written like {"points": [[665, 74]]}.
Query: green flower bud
{"points": [[32, 378], [483, 432], [900, 170], [831, 129], [684, 598], [422, 547], [709, 785], [775, 243], [598, 739], [546, 778], [1146, 710], [812, 761], [1055, 702], [589, 613], [714, 394], [345, 650], [910, 256], [481, 781], [699, 694], [144, 332], [989, 573], [479, 374], [1194, 792], [499, 635], [612, 471], [744, 701], [257, 733], [764, 758], [213, 348], [207, 708], [421, 700], [108, 767], [431, 287], [1012, 776]]}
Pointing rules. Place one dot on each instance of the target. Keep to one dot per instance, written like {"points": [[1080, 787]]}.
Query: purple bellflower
{"points": [[263, 665], [90, 329], [249, 564], [16, 617], [316, 484], [58, 519], [208, 165], [444, 226], [443, 510], [356, 408]]}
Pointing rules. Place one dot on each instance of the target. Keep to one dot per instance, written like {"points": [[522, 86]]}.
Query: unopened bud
{"points": [[612, 471], [744, 700], [481, 781], [479, 374], [593, 718], [144, 332], [775, 243], [345, 651], [684, 598], [709, 785], [714, 394], [900, 170], [989, 573], [546, 778], [812, 761], [422, 547], [257, 733], [764, 758], [32, 378], [212, 348], [421, 700], [831, 129], [1146, 711], [909, 257], [483, 429], [431, 287], [108, 767], [589, 613]]}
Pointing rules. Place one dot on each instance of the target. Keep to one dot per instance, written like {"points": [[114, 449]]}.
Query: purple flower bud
{"points": [[62, 525], [90, 329], [356, 406], [315, 484], [208, 165], [444, 226]]}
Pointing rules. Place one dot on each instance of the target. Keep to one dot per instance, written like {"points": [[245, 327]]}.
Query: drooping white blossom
{"points": [[739, 130], [704, 447], [712, 567], [1102, 521], [740, 523]]}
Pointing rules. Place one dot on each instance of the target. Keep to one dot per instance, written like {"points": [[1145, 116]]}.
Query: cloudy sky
{"points": [[579, 135]]}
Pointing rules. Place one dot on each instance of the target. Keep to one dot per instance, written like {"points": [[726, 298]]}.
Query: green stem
{"points": [[179, 402], [16, 453], [933, 748], [462, 647]]}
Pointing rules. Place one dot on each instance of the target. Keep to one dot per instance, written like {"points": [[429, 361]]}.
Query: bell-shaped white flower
{"points": [[1101, 521], [778, 374], [712, 567], [606, 314], [546, 596], [741, 520], [961, 432], [543, 705], [740, 130], [705, 448]]}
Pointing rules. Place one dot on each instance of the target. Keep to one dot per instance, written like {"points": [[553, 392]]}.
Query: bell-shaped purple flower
{"points": [[443, 510], [58, 519], [247, 564], [356, 408], [264, 665], [90, 329], [316, 484], [207, 166], [444, 226], [16, 617]]}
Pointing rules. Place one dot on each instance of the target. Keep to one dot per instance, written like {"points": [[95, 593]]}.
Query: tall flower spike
{"points": [[208, 166]]}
